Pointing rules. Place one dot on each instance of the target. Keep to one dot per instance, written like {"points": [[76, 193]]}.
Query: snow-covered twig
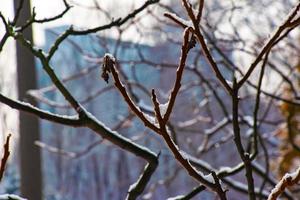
{"points": [[286, 181]]}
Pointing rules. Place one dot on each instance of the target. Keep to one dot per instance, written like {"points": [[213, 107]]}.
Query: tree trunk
{"points": [[30, 160]]}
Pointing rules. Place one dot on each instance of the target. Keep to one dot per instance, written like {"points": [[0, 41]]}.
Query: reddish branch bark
{"points": [[109, 67], [5, 156]]}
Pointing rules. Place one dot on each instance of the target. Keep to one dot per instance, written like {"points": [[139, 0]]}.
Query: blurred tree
{"points": [[288, 133]]}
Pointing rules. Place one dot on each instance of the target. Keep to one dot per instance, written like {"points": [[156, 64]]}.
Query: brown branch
{"points": [[110, 67], [109, 61], [5, 156], [205, 49], [257, 105], [157, 112], [200, 11], [184, 52], [245, 156], [179, 156], [211, 61]]}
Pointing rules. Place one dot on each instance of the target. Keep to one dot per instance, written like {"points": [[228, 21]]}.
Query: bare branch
{"points": [[122, 89], [286, 181], [184, 52], [26, 107], [270, 43], [245, 156]]}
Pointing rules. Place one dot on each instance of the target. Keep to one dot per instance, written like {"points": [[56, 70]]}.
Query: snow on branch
{"points": [[286, 181]]}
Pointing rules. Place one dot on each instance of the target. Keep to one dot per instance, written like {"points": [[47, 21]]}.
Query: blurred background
{"points": [[75, 163]]}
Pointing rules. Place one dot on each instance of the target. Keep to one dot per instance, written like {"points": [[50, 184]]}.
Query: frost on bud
{"points": [[108, 64]]}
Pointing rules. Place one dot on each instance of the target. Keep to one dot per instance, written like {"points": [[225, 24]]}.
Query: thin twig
{"points": [[184, 52], [269, 44], [5, 157], [126, 96], [245, 156], [257, 104], [110, 67]]}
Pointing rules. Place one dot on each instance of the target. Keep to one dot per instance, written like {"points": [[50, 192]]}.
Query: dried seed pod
{"points": [[108, 63], [192, 42]]}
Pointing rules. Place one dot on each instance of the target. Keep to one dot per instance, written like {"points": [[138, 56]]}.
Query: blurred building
{"points": [[75, 167]]}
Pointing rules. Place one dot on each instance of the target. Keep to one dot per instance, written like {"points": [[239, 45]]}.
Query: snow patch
{"points": [[187, 23], [11, 196], [150, 118], [176, 198], [210, 178], [163, 108], [110, 56], [225, 169]]}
